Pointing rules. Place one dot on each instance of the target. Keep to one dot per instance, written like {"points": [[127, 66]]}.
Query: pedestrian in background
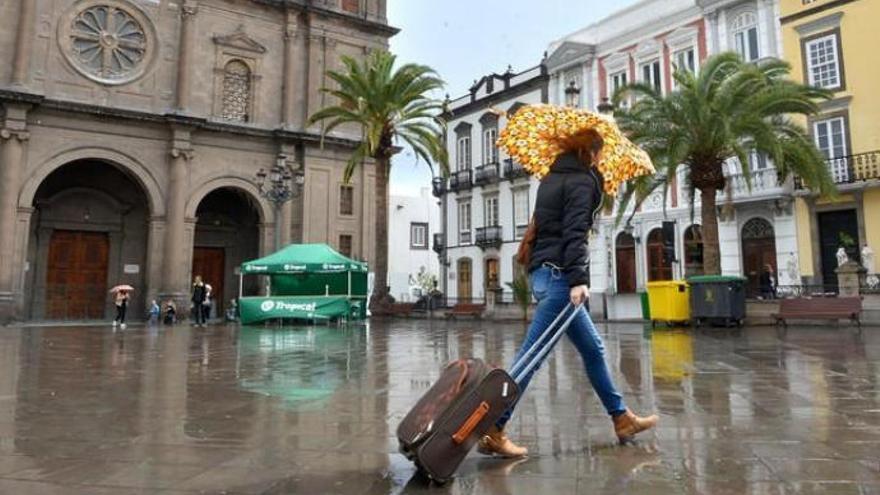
{"points": [[209, 301], [121, 301], [199, 293], [768, 282], [154, 312]]}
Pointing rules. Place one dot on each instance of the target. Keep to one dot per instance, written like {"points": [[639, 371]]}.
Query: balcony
{"points": [[487, 174], [513, 170], [464, 238], [489, 237], [460, 181], [439, 242], [851, 169], [764, 183]]}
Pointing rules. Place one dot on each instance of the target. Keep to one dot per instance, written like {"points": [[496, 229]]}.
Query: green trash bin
{"points": [[646, 306], [717, 299]]}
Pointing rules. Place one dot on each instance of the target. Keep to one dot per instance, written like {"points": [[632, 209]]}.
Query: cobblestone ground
{"points": [[313, 411]]}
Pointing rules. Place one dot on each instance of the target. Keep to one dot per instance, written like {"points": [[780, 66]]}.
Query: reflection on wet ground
{"points": [[313, 411]]}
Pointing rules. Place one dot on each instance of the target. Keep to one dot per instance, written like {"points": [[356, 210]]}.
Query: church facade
{"points": [[132, 134]]}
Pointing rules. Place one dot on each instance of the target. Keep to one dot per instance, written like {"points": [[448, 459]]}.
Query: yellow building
{"points": [[832, 44]]}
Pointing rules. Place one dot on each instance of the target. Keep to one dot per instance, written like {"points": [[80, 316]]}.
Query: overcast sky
{"points": [[467, 39]]}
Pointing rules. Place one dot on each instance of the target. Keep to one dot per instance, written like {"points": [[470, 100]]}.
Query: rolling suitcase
{"points": [[461, 406]]}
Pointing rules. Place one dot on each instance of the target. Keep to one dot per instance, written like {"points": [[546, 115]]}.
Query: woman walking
{"points": [[556, 254], [121, 301], [199, 294]]}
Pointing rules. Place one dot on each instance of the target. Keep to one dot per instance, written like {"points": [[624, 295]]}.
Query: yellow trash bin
{"points": [[669, 301]]}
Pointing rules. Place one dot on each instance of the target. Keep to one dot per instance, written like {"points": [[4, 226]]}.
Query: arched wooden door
{"points": [[465, 275], [659, 268], [625, 257], [758, 250]]}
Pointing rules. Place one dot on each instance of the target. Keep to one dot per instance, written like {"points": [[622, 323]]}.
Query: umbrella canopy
{"points": [[537, 134], [123, 287]]}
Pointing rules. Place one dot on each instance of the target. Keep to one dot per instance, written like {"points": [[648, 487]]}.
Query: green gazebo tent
{"points": [[306, 281]]}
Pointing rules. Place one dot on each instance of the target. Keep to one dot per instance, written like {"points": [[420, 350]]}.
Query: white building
{"points": [[488, 199], [411, 222], [645, 42]]}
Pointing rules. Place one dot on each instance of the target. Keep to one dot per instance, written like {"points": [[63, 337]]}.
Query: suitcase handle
{"points": [[468, 426], [523, 365]]}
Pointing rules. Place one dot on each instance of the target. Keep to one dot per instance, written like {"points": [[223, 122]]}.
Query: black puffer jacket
{"points": [[567, 199]]}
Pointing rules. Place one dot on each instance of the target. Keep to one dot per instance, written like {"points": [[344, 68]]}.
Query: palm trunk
{"points": [[379, 300], [711, 247]]}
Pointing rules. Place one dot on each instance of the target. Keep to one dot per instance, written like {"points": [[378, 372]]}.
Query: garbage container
{"points": [[718, 300], [669, 301], [646, 306]]}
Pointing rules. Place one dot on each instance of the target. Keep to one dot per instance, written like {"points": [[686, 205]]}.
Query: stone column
{"points": [[316, 73], [24, 39], [174, 278], [13, 140], [187, 40], [293, 106], [848, 278]]}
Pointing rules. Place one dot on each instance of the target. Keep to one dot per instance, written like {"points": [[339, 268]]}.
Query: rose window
{"points": [[108, 43]]}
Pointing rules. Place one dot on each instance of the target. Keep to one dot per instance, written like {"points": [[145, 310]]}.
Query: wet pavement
{"points": [[313, 411]]}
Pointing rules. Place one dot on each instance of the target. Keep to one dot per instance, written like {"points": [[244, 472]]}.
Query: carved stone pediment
{"points": [[240, 40]]}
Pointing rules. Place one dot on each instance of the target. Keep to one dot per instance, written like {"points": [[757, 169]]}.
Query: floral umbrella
{"points": [[537, 134]]}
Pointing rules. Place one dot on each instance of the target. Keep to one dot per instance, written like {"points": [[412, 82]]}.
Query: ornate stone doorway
{"points": [[759, 250], [227, 233], [89, 231]]}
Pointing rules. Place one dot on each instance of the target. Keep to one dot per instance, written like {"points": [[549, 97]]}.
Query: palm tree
{"points": [[729, 111], [390, 106]]}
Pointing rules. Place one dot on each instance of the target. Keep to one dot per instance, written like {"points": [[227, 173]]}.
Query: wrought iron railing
{"points": [[461, 180], [852, 168], [489, 237], [513, 170], [464, 237], [487, 174]]}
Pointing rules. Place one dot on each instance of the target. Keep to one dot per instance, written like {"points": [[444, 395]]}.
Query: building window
{"points": [[352, 6], [236, 91], [490, 151], [418, 236], [659, 267], [651, 75], [520, 212], [757, 161], [490, 212], [823, 62], [345, 244], [693, 250], [463, 156], [745, 36], [686, 60], [346, 200], [464, 223], [625, 255], [617, 81], [831, 139]]}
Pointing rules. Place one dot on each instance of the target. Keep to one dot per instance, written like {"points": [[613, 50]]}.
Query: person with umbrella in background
{"points": [[120, 299], [199, 295]]}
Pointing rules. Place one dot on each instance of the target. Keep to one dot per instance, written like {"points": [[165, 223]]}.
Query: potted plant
{"points": [[522, 294]]}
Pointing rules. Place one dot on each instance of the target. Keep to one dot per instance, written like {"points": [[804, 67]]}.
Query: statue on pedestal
{"points": [[872, 281], [842, 257]]}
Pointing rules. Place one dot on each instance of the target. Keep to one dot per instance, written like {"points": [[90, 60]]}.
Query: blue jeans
{"points": [[551, 290]]}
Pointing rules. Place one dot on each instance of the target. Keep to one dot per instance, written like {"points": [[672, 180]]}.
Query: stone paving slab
{"points": [[86, 410]]}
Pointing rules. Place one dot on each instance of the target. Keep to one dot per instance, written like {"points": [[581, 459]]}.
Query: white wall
{"points": [[403, 261]]}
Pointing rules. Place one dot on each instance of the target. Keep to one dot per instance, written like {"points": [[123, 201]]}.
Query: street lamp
{"points": [[438, 186], [606, 108], [279, 185], [572, 94]]}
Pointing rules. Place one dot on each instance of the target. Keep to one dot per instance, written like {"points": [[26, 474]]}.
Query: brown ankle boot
{"points": [[496, 443], [628, 424]]}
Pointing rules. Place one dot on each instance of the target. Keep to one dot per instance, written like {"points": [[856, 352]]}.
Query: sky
{"points": [[464, 40]]}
